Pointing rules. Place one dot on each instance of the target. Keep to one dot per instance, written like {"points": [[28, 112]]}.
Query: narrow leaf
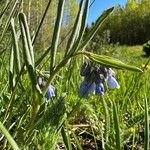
{"points": [[16, 48], [13, 10], [76, 140], [27, 52], [9, 137], [11, 70], [66, 139], [75, 29], [27, 56], [23, 19], [116, 127], [41, 22], [56, 33], [110, 62], [82, 28], [146, 138], [100, 21]]}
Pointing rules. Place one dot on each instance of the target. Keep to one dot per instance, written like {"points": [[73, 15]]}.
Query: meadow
{"points": [[118, 120]]}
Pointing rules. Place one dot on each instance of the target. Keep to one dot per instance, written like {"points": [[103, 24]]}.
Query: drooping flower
{"points": [[100, 89], [86, 88], [50, 91], [94, 77], [111, 81]]}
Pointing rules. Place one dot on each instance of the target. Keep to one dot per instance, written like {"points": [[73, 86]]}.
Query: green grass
{"points": [[99, 113]]}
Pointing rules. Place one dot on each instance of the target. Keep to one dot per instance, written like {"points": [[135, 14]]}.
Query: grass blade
{"points": [[41, 22], [116, 127], [9, 137], [66, 139], [13, 10], [4, 9], [146, 138], [107, 119], [76, 140]]}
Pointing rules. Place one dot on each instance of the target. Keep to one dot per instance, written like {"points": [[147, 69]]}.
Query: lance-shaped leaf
{"points": [[9, 137], [28, 55], [74, 33], [23, 19], [110, 62], [100, 21], [146, 137], [56, 33], [41, 22], [11, 70], [13, 10], [116, 127], [16, 48], [81, 28]]}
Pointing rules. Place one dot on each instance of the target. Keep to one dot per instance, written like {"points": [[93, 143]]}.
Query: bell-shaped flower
{"points": [[99, 89], [111, 81], [50, 93], [87, 88]]}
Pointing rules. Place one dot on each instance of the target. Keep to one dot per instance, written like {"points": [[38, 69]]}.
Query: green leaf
{"points": [[56, 33], [79, 146], [9, 137], [41, 22], [11, 70], [16, 48], [25, 29], [110, 62], [100, 21], [146, 137], [66, 138], [81, 28], [116, 127], [11, 15], [74, 33], [28, 51]]}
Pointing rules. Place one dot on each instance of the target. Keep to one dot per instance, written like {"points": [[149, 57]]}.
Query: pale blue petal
{"points": [[50, 92], [112, 83], [100, 89]]}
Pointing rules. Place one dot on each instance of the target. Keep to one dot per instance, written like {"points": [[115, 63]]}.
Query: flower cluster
{"points": [[50, 91], [94, 78]]}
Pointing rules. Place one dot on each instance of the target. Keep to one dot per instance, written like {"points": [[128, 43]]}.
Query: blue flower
{"points": [[86, 88], [100, 89], [112, 83], [50, 93]]}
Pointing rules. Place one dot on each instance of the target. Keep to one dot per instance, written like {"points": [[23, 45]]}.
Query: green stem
{"points": [[9, 137]]}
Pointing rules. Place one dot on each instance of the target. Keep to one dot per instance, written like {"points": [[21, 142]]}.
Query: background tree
{"points": [[128, 25]]}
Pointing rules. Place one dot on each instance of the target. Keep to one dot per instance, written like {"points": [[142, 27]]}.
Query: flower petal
{"points": [[112, 83], [50, 92]]}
